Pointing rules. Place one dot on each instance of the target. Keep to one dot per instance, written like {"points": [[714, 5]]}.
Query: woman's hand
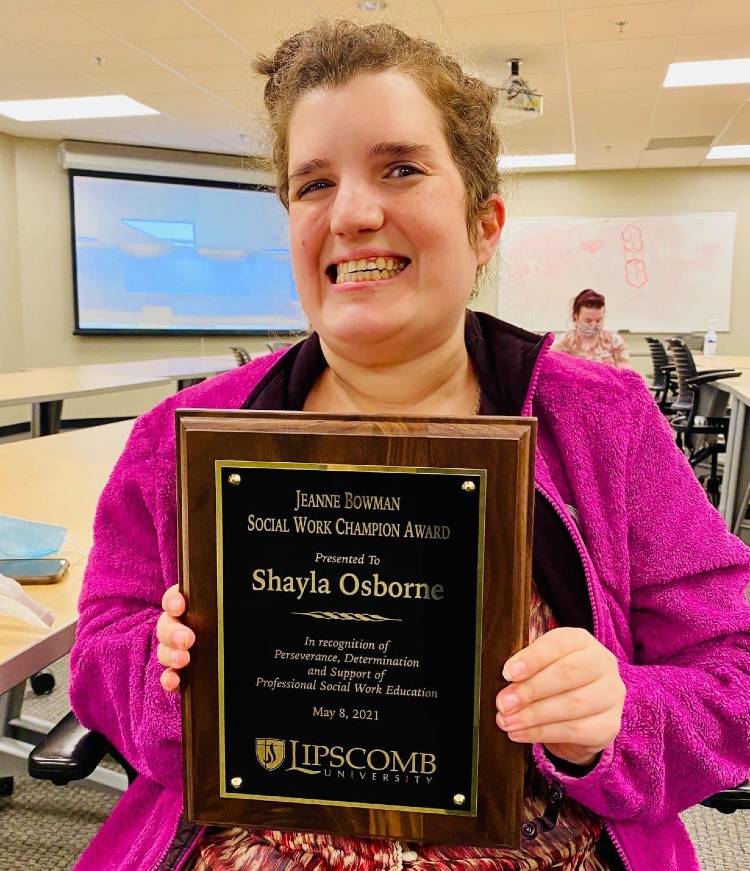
{"points": [[566, 693], [175, 639]]}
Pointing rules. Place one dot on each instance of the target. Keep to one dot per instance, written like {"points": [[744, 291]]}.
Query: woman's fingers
{"points": [[173, 602], [577, 669], [576, 704], [170, 680], [593, 733], [548, 648], [174, 638]]}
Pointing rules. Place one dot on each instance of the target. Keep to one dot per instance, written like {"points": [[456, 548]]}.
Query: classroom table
{"points": [[46, 388], [737, 361], [735, 488], [55, 479]]}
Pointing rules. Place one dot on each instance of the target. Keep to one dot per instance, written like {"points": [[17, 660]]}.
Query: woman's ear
{"points": [[489, 227]]}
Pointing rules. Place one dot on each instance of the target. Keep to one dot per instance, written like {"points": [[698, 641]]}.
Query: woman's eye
{"points": [[313, 186], [403, 170]]}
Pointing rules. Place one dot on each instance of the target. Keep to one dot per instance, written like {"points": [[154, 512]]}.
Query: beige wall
{"points": [[11, 339], [36, 296]]}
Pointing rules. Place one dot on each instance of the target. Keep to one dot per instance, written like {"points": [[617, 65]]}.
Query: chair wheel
{"points": [[6, 787], [43, 683]]}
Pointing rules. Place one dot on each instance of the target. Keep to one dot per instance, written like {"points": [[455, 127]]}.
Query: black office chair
{"points": [[699, 416], [662, 381], [277, 346], [241, 355]]}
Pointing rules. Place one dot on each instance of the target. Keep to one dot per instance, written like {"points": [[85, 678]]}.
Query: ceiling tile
{"points": [[491, 58], [115, 57], [195, 51], [142, 19], [590, 4], [593, 156], [622, 54], [526, 139], [591, 102], [220, 78], [713, 46], [684, 120], [586, 81], [533, 28], [642, 21], [673, 157], [464, 8], [708, 16], [138, 84], [50, 26], [50, 87], [20, 62], [738, 132]]}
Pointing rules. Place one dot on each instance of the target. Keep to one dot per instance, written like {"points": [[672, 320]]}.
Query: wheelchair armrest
{"points": [[68, 752], [729, 800], [715, 375]]}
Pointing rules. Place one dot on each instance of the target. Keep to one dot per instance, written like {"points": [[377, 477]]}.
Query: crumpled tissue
{"points": [[15, 602]]}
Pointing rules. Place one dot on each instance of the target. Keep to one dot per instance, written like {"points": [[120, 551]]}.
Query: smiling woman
{"points": [[632, 693]]}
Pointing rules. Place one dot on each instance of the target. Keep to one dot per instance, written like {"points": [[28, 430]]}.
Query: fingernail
{"points": [[514, 668], [173, 604], [508, 723], [508, 703], [180, 638], [517, 736], [175, 658]]}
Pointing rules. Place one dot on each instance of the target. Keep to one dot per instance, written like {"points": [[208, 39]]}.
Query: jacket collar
{"points": [[506, 359]]}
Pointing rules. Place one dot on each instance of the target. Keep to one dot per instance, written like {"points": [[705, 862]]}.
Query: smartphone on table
{"points": [[34, 571]]}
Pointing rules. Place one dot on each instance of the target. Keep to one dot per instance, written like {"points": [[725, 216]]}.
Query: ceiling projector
{"points": [[518, 100]]}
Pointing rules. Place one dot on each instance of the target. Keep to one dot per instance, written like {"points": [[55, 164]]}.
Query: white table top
{"points": [[722, 362], [45, 385], [54, 479], [739, 387]]}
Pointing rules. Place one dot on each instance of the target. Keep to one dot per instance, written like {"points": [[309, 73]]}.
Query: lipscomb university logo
{"points": [[270, 752]]}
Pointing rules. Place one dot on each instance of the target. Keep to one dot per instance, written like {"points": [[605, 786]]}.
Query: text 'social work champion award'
{"points": [[356, 585]]}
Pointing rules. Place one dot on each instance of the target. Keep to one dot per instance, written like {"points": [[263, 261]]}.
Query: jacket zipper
{"points": [[574, 534], [188, 847]]}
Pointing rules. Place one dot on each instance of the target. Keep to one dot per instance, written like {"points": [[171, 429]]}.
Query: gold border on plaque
{"points": [[346, 467]]}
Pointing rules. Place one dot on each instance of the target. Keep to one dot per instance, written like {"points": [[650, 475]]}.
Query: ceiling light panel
{"points": [[691, 74], [529, 161], [728, 152], [112, 106]]}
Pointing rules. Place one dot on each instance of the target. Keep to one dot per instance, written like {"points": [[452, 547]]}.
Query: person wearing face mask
{"points": [[588, 338]]}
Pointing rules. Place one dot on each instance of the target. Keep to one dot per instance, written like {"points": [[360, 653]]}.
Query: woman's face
{"points": [[589, 320], [377, 213]]}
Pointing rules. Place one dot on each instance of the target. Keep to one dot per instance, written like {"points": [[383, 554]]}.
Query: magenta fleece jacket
{"points": [[666, 582]]}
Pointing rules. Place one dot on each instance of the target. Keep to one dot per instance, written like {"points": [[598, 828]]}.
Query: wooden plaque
{"points": [[355, 585]]}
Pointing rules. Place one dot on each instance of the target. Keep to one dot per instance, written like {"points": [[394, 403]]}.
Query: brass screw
{"points": [[236, 782], [234, 479], [468, 486], [459, 799]]}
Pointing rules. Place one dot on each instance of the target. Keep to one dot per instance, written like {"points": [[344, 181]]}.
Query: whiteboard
{"points": [[661, 274]]}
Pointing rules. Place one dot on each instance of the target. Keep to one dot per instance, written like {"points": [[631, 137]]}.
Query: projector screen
{"points": [[171, 256]]}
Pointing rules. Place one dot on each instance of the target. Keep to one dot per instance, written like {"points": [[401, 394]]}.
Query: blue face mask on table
{"points": [[21, 539]]}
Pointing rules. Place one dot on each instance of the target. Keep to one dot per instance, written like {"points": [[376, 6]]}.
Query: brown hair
{"points": [[333, 52], [588, 298]]}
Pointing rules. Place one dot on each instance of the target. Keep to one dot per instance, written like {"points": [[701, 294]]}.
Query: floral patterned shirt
{"points": [[605, 347]]}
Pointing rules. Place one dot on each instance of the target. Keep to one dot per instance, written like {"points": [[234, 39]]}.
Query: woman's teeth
{"points": [[372, 269]]}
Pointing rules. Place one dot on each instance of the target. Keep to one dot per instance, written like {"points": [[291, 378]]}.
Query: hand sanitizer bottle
{"points": [[710, 340]]}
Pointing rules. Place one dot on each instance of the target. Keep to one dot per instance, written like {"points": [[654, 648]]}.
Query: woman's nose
{"points": [[355, 209]]}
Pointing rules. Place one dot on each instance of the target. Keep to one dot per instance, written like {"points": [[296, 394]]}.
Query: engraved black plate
{"points": [[349, 630]]}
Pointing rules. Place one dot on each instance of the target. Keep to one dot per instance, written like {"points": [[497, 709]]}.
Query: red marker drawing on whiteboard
{"points": [[635, 264]]}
